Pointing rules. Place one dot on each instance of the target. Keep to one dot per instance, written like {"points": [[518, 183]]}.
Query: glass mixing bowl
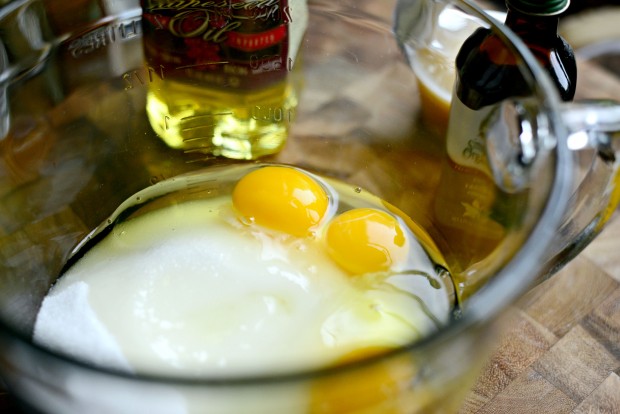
{"points": [[92, 114]]}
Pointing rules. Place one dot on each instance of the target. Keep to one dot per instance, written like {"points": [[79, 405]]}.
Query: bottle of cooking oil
{"points": [[223, 79], [468, 204]]}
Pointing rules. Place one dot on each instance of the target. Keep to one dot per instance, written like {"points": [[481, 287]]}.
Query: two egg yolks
{"points": [[361, 240]]}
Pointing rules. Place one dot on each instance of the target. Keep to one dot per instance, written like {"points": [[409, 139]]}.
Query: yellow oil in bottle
{"points": [[222, 122], [226, 78]]}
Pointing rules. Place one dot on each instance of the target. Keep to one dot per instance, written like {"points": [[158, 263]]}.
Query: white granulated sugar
{"points": [[67, 324], [181, 291]]}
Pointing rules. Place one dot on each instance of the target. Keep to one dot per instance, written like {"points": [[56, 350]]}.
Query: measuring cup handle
{"points": [[592, 125]]}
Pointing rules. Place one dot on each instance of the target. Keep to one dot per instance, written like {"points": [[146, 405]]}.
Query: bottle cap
{"points": [[539, 7]]}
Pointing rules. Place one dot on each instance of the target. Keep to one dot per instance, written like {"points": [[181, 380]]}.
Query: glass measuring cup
{"points": [[78, 141]]}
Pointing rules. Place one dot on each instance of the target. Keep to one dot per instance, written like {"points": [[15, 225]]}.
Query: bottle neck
{"points": [[530, 25]]}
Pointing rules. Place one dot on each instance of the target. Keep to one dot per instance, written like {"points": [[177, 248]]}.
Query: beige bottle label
{"points": [[466, 136]]}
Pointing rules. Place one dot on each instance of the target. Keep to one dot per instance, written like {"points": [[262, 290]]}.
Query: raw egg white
{"points": [[244, 284]]}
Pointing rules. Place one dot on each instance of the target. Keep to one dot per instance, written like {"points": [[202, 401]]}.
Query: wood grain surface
{"points": [[561, 352]]}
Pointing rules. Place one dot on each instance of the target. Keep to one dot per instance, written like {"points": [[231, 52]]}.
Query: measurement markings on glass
{"points": [[197, 65], [104, 36], [147, 74], [270, 63], [143, 76], [167, 120], [272, 114], [205, 156], [203, 124]]}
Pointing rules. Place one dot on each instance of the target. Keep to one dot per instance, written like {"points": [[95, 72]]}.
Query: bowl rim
{"points": [[485, 305]]}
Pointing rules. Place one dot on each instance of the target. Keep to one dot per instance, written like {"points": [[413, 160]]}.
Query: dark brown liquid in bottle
{"points": [[487, 70]]}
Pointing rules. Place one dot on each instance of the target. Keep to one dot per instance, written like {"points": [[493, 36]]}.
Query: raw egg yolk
{"points": [[282, 199], [365, 240], [376, 388]]}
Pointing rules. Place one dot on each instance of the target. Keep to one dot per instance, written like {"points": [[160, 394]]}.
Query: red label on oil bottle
{"points": [[226, 43]]}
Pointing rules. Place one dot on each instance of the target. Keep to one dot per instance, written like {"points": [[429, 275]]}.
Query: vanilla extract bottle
{"points": [[487, 71], [224, 73], [468, 207]]}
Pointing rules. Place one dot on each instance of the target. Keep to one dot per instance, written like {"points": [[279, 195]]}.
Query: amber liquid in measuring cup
{"points": [[470, 208], [224, 78]]}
